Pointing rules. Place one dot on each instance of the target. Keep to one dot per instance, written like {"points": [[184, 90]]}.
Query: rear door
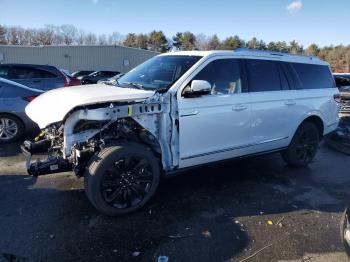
{"points": [[273, 103], [315, 95]]}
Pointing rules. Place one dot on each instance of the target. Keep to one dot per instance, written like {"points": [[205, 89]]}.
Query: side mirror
{"points": [[198, 88]]}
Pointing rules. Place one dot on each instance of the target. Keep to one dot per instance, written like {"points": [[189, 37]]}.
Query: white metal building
{"points": [[74, 58]]}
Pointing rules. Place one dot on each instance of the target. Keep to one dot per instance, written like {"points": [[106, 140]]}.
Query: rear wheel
{"points": [[303, 147], [122, 179], [11, 128]]}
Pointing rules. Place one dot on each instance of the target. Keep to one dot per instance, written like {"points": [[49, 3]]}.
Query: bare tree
{"points": [[102, 39], [12, 35], [202, 42], [68, 33], [46, 36], [3, 40], [90, 39], [116, 39]]}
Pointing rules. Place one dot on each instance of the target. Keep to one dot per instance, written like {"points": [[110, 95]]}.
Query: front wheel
{"points": [[122, 179], [303, 147]]}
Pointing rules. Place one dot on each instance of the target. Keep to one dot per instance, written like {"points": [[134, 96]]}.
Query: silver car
{"points": [[14, 98]]}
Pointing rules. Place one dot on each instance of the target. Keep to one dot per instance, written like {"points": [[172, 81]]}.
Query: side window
{"points": [[4, 72], [283, 77], [22, 72], [263, 75], [44, 74], [313, 76], [223, 76]]}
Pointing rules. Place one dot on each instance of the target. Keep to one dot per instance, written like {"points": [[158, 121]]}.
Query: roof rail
{"points": [[274, 53]]}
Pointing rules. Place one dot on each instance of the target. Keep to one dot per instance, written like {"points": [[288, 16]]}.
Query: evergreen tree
{"points": [[232, 43], [214, 43], [130, 40], [157, 41]]}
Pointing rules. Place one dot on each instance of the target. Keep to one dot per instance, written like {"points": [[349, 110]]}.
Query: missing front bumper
{"points": [[43, 167]]}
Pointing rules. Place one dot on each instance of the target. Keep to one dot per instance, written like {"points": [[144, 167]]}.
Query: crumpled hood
{"points": [[53, 105]]}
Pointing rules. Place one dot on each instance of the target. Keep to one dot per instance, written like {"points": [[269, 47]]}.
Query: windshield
{"points": [[159, 72]]}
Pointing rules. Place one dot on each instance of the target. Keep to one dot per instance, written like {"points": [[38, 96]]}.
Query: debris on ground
{"points": [[136, 253], [269, 222], [256, 253], [340, 140], [178, 236], [279, 222], [206, 233]]}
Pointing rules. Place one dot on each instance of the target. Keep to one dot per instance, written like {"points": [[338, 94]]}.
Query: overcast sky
{"points": [[324, 22]]}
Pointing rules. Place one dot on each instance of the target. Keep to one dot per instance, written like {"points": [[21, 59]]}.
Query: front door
{"points": [[215, 126]]}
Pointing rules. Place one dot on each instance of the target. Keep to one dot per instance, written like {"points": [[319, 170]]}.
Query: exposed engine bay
{"points": [[86, 130]]}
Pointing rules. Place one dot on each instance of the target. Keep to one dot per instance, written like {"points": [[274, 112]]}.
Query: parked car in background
{"points": [[14, 98], [343, 83], [181, 110], [43, 77], [82, 73], [97, 75], [110, 81], [73, 81]]}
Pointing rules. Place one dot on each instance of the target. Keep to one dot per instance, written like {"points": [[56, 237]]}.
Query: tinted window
{"points": [[223, 75], [28, 73], [4, 71], [343, 84], [263, 75], [45, 74], [313, 76]]}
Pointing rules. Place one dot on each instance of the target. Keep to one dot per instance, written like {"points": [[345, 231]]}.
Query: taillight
{"points": [[66, 81], [337, 98], [29, 98]]}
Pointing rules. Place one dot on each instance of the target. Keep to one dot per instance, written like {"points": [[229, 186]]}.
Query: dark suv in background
{"points": [[343, 83], [82, 73], [42, 77], [96, 76]]}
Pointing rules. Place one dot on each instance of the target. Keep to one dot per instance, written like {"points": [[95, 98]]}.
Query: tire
{"points": [[303, 147], [11, 128], [122, 179]]}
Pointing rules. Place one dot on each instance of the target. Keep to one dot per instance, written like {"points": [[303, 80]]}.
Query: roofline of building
{"points": [[49, 46]]}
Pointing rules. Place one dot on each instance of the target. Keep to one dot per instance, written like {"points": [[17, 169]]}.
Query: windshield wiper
{"points": [[135, 85]]}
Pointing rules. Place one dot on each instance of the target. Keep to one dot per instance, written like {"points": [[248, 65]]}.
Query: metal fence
{"points": [[74, 58]]}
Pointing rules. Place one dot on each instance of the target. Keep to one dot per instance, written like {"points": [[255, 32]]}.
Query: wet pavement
{"points": [[226, 212]]}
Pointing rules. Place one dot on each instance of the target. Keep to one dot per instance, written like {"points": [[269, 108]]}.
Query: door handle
{"points": [[190, 113], [36, 81], [239, 107], [290, 103]]}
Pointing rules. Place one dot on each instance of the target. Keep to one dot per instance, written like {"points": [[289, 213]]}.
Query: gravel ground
{"points": [[225, 212]]}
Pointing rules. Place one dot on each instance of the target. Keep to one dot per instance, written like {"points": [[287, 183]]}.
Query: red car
{"points": [[72, 81]]}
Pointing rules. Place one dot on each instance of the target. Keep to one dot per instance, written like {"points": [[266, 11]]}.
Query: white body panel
{"points": [[213, 125], [53, 105]]}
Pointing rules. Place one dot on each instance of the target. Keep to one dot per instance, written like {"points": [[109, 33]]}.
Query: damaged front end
{"points": [[86, 130]]}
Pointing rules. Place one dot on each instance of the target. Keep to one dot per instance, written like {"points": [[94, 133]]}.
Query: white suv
{"points": [[179, 110]]}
